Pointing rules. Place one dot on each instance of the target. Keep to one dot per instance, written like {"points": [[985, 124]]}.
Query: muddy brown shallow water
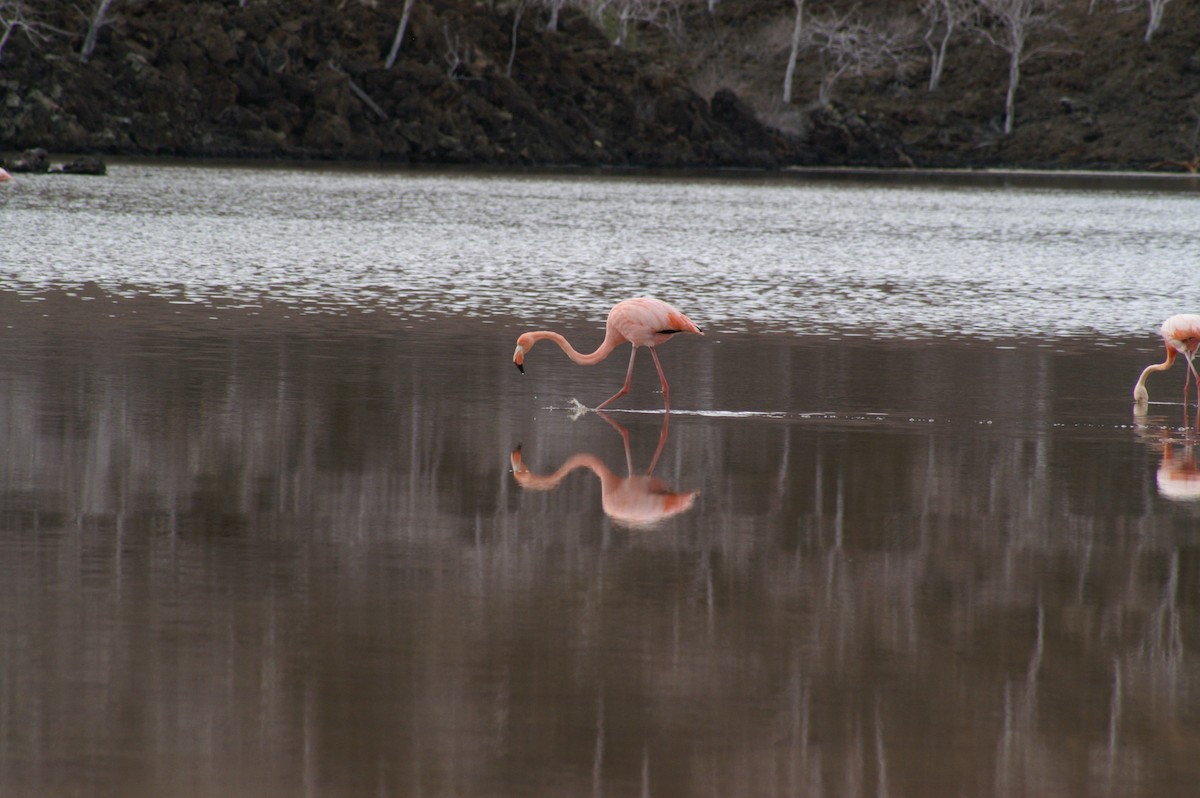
{"points": [[278, 516], [259, 555]]}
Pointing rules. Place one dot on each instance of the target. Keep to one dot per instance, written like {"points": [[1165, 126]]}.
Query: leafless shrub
{"points": [[16, 15], [849, 45]]}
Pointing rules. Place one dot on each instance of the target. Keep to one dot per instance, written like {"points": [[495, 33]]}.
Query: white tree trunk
{"points": [[1010, 98], [98, 20], [1156, 15], [400, 29], [518, 12], [797, 35], [938, 60]]}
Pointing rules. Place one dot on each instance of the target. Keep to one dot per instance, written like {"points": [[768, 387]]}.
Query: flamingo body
{"points": [[4, 175], [643, 322], [1181, 335]]}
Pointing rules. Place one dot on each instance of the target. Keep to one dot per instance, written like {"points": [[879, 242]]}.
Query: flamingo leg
{"points": [[662, 440], [1190, 356], [662, 378], [628, 378], [624, 433]]}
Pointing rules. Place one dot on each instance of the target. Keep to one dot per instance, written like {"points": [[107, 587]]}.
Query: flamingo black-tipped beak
{"points": [[520, 367]]}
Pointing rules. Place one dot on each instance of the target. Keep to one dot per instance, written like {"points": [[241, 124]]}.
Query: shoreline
{"points": [[975, 177]]}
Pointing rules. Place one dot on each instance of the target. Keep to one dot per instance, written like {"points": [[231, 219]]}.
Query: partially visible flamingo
{"points": [[1181, 335], [638, 502], [4, 175], [643, 321]]}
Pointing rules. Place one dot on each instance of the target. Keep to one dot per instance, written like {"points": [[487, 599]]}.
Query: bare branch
{"points": [[15, 15], [359, 92], [454, 52]]}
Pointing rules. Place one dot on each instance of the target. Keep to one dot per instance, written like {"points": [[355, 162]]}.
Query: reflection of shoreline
{"points": [[637, 501]]}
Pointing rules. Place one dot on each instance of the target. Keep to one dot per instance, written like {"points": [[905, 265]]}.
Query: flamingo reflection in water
{"points": [[1178, 474], [637, 501], [1178, 477]]}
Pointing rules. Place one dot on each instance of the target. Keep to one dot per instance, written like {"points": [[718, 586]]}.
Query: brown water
{"points": [[278, 517], [259, 555]]}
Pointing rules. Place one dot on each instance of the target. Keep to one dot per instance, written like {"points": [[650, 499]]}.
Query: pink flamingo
{"points": [[4, 175], [1181, 334], [642, 322], [638, 502]]}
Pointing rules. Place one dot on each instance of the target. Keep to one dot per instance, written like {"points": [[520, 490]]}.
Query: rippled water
{"points": [[279, 517], [782, 253]]}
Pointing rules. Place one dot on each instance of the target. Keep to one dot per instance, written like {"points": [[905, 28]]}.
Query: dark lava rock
{"points": [[83, 166], [36, 161]]}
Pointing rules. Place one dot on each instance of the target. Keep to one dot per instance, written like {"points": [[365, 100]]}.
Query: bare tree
{"points": [[943, 18], [518, 12], [554, 7], [1155, 7], [15, 15], [1156, 15], [660, 13], [97, 21], [1008, 24], [849, 46], [399, 38], [789, 74], [455, 53]]}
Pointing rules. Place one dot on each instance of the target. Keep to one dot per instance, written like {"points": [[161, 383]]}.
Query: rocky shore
{"points": [[291, 79], [475, 84]]}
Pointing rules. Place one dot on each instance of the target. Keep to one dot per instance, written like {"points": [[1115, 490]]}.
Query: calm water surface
{"points": [[278, 517]]}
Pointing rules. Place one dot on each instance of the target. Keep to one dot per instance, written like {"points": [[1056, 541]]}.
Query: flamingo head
{"points": [[518, 465], [524, 344]]}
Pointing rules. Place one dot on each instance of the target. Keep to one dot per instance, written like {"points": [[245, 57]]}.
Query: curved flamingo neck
{"points": [[1139, 390], [603, 351], [528, 479]]}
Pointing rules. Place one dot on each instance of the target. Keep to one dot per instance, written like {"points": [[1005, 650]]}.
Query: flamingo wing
{"points": [[646, 321]]}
